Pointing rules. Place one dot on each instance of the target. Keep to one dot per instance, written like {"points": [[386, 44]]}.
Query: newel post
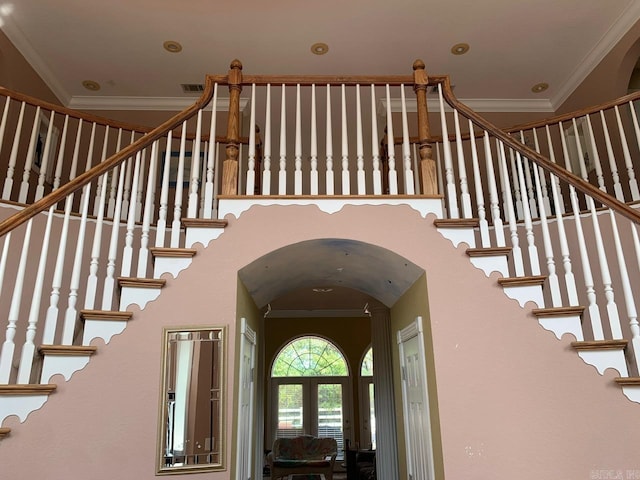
{"points": [[428, 172], [230, 165]]}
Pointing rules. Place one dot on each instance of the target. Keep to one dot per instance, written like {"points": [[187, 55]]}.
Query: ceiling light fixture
{"points": [[322, 290], [460, 48], [539, 87], [319, 48], [91, 85], [172, 46]]}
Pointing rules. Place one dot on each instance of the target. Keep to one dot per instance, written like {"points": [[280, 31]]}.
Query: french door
{"points": [[312, 406]]}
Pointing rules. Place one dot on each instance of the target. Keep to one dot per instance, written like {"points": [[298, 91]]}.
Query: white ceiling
{"points": [[118, 43]]}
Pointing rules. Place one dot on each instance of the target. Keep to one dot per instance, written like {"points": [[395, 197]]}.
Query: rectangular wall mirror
{"points": [[191, 424]]}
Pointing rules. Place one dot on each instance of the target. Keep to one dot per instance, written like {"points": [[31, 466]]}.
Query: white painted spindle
{"points": [[297, 176], [510, 214], [266, 171], [45, 160], [251, 164], [633, 183], [102, 180], [3, 122], [532, 250], [313, 161], [161, 225], [375, 146], [613, 165], [13, 157], [126, 194], [329, 147], [282, 174], [452, 199], [194, 182], [114, 180], [24, 186], [483, 224], [127, 252], [360, 180], [544, 201], [391, 148], [143, 252], [406, 152], [494, 201], [92, 279], [346, 185], [465, 197], [208, 189], [596, 155], [176, 223]]}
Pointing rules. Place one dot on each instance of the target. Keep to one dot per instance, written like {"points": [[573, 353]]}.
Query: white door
{"points": [[417, 424], [246, 400]]}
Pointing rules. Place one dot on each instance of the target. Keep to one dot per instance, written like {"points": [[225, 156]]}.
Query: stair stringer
{"points": [[504, 394]]}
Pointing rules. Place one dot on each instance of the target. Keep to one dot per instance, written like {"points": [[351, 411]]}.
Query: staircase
{"points": [[554, 239]]}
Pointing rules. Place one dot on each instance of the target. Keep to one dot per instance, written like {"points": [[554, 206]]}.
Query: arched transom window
{"points": [[310, 357]]}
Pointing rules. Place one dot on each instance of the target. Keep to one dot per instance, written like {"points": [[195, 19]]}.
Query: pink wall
{"points": [[513, 401]]}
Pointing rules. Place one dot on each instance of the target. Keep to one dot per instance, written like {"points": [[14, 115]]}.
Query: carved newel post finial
{"points": [[427, 164], [230, 165]]}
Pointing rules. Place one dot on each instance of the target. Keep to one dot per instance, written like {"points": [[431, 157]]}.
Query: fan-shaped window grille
{"points": [[310, 357]]}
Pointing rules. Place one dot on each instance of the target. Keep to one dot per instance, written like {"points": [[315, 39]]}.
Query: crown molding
{"points": [[144, 103], [619, 29], [19, 40]]}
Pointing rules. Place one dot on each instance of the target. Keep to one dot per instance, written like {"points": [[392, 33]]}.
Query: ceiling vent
{"points": [[192, 87]]}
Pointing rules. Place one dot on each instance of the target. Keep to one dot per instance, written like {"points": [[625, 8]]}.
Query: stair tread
{"points": [[558, 311], [600, 345], [69, 350], [457, 222], [522, 281], [106, 315], [204, 222], [628, 381], [172, 252], [28, 389], [4, 431], [488, 251], [141, 282]]}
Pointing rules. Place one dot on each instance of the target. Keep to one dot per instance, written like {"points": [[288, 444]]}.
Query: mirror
{"points": [[191, 424]]}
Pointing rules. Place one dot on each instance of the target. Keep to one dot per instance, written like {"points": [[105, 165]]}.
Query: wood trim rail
{"points": [[560, 172]]}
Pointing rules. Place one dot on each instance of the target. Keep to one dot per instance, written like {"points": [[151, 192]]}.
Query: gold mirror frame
{"points": [[191, 422]]}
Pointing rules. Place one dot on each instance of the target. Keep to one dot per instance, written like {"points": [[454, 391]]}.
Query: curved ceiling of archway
{"points": [[375, 271]]}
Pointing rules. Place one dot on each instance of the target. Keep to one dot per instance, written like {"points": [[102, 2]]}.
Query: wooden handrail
{"points": [[83, 179], [335, 80], [549, 166]]}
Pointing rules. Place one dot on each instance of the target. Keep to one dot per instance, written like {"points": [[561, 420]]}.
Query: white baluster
{"points": [[552, 278], [617, 187], [102, 180], [140, 187], [216, 178], [208, 189], [61, 154], [493, 194], [592, 308], [143, 252], [251, 164], [29, 348], [346, 186], [596, 156], [127, 252], [406, 152], [546, 204], [375, 147], [483, 225], [633, 183], [266, 172], [633, 317], [76, 152], [3, 122], [177, 202], [109, 282], [510, 214], [452, 199], [45, 159], [114, 180], [24, 186], [534, 260], [516, 186], [71, 312], [440, 176], [8, 347], [203, 175], [13, 157], [465, 197], [240, 167], [329, 145], [528, 186], [51, 319], [194, 183], [3, 257], [361, 179], [297, 176], [313, 176], [92, 279], [391, 148], [126, 194], [558, 201], [416, 179], [89, 156], [161, 226], [282, 174]]}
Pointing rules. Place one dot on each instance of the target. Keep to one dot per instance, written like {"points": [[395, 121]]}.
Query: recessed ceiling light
{"points": [[172, 46], [460, 48], [539, 87], [319, 48], [91, 85]]}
